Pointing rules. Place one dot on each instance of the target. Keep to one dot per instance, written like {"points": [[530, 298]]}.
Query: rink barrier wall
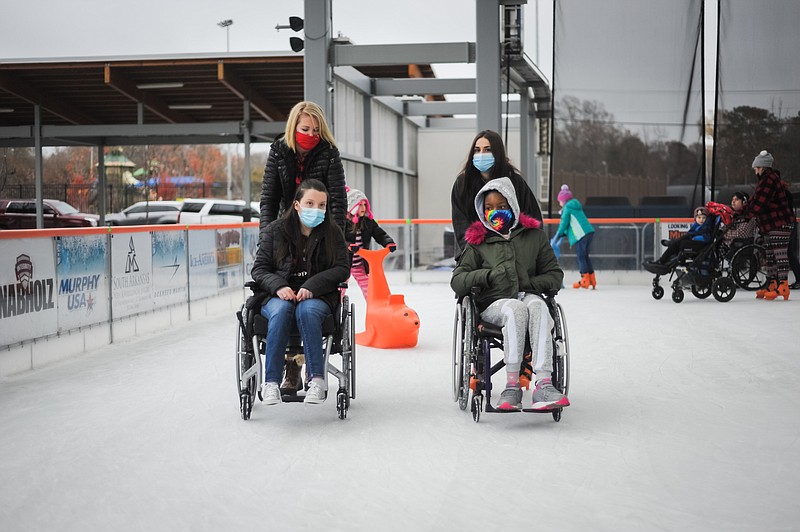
{"points": [[64, 292]]}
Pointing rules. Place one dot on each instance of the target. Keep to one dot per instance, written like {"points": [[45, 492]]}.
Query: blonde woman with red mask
{"points": [[306, 150]]}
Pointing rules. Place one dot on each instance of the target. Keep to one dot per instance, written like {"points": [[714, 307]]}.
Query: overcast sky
{"points": [[90, 28]]}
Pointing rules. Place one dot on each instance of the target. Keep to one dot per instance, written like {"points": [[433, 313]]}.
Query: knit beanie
{"points": [[565, 195], [763, 160], [354, 198], [701, 210]]}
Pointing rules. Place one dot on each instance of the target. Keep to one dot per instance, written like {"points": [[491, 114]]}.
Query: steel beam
{"points": [[403, 54], [422, 86]]}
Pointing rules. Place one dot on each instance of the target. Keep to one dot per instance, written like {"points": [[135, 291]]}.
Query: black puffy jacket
{"points": [[324, 273], [280, 174]]}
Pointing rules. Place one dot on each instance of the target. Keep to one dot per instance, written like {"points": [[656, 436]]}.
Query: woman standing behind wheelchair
{"points": [[771, 206], [301, 259], [509, 257]]}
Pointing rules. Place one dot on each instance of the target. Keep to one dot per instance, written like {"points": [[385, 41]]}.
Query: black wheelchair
{"points": [[338, 331], [747, 263], [702, 271], [473, 341]]}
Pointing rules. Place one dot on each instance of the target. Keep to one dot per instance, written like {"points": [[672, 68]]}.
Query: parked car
{"points": [[215, 211], [21, 214], [147, 212]]}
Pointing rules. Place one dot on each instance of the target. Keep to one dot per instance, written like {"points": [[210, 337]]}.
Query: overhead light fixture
{"points": [[6, 110], [161, 85], [189, 106]]}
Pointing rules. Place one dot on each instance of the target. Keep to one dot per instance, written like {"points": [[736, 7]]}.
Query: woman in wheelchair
{"points": [[301, 259], [699, 236], [510, 258]]}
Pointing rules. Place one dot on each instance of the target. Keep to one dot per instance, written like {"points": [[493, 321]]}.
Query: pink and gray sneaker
{"points": [[510, 399], [546, 397]]}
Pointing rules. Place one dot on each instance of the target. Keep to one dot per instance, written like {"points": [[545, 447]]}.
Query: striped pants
{"points": [[517, 317]]}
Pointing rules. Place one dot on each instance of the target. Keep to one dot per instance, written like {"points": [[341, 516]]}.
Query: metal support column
{"points": [[367, 129], [37, 169], [487, 55], [101, 183], [316, 64], [246, 138], [527, 141]]}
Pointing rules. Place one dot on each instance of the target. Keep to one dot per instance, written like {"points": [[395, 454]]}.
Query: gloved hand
{"points": [[392, 247], [353, 248]]}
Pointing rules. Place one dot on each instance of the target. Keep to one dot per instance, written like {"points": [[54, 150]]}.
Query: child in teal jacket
{"points": [[576, 227]]}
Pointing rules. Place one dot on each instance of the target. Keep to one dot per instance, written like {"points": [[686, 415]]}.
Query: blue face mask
{"points": [[483, 161], [311, 217]]}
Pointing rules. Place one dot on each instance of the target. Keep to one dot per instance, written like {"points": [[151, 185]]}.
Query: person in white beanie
{"points": [[360, 229], [770, 206]]}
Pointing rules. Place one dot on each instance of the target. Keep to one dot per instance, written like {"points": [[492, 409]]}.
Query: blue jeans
{"points": [[582, 253], [281, 316]]}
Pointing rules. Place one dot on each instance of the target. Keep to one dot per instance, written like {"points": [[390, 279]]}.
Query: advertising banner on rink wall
{"points": [[27, 289], [673, 230], [229, 258], [131, 274], [82, 280], [170, 274], [202, 264], [249, 246]]}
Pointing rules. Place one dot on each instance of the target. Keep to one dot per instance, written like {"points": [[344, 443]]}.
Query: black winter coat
{"points": [[324, 273], [370, 230], [280, 174]]}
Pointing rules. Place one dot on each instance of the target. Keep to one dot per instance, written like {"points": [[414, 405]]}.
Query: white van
{"points": [[215, 211]]}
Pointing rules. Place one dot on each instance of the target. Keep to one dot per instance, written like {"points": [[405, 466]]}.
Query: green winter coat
{"points": [[574, 223], [502, 268]]}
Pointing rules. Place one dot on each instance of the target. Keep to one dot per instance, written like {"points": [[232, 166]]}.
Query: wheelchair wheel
{"points": [[724, 289], [658, 292], [467, 350], [246, 379], [677, 295], [348, 350], [701, 291], [560, 376], [747, 268], [457, 359]]}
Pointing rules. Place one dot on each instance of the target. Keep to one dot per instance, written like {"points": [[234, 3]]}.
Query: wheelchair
{"points": [[473, 341], [338, 331], [702, 271], [747, 264]]}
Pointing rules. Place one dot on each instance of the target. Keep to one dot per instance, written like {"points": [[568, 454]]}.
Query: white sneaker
{"points": [[315, 393], [270, 393]]}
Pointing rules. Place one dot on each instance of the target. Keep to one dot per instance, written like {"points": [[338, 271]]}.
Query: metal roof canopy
{"points": [[201, 99]]}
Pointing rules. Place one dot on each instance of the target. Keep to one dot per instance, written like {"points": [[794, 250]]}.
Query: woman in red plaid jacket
{"points": [[770, 206]]}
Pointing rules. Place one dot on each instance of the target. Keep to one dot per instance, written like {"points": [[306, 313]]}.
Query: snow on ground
{"points": [[684, 417]]}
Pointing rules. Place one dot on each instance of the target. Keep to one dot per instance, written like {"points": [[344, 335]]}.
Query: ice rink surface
{"points": [[683, 417]]}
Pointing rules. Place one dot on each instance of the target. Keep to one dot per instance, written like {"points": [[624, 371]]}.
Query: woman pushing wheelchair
{"points": [[301, 260], [510, 259]]}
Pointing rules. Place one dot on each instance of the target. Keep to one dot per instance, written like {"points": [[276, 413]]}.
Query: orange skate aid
{"points": [[389, 322]]}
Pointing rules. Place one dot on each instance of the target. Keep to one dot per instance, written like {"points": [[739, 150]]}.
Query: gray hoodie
{"points": [[504, 186]]}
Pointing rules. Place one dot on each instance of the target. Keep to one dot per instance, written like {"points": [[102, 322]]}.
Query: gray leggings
{"points": [[515, 316]]}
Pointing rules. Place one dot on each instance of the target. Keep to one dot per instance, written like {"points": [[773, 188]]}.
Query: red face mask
{"points": [[307, 142]]}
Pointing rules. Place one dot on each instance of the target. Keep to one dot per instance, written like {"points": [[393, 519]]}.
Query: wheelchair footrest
{"points": [[293, 398]]}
